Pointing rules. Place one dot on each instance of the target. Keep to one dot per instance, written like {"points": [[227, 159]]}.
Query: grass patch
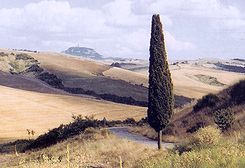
{"points": [[207, 149], [149, 132], [209, 80], [206, 80]]}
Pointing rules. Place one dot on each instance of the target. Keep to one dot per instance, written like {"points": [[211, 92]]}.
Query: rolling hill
{"points": [[40, 90]]}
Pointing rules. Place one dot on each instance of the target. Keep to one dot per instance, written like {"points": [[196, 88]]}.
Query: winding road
{"points": [[123, 132]]}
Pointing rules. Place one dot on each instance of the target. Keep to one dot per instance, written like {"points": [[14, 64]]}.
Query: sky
{"points": [[121, 28]]}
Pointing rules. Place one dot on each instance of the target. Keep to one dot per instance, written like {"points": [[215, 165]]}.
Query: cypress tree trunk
{"points": [[159, 140], [160, 98]]}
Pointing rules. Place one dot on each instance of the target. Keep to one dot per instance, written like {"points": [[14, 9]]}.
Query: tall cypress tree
{"points": [[160, 98]]}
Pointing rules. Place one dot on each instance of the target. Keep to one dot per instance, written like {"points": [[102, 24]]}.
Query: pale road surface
{"points": [[123, 132]]}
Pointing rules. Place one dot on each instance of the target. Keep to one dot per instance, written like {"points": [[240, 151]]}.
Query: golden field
{"points": [[21, 110]]}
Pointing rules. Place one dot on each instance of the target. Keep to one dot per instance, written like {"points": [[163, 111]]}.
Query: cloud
{"points": [[177, 45], [115, 29]]}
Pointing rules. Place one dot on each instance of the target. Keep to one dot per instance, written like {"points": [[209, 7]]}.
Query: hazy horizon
{"points": [[121, 28]]}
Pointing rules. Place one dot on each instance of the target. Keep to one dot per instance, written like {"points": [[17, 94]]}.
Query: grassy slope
{"points": [[73, 66], [126, 75], [93, 149], [189, 118]]}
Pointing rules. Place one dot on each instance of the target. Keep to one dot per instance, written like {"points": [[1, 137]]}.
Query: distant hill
{"points": [[94, 55], [84, 52]]}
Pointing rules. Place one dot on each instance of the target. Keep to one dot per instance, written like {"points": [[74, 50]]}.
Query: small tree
{"points": [[28, 133], [224, 118], [160, 98], [209, 100], [238, 93], [32, 133]]}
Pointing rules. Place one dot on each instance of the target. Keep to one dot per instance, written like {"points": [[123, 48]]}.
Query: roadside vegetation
{"points": [[98, 148], [92, 148]]}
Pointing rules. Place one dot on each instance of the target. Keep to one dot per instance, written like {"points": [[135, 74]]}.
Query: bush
{"points": [[130, 121], [51, 79], [87, 125], [207, 136], [2, 54], [23, 56], [224, 118], [196, 127], [209, 100], [238, 93]]}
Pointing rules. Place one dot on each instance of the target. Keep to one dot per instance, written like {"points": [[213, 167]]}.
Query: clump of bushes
{"points": [[95, 134], [79, 125], [207, 136], [23, 56], [65, 131], [209, 100], [116, 64], [51, 79], [224, 118], [196, 127], [238, 92], [3, 54]]}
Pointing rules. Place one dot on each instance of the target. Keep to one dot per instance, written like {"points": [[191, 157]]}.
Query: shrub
{"points": [[207, 136], [209, 100], [238, 93], [2, 54], [196, 127], [23, 56], [130, 121], [51, 79], [80, 124], [224, 118], [91, 130]]}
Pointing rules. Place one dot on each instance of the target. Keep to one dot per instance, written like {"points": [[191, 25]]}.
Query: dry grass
{"points": [[72, 65], [149, 132], [95, 148], [128, 76]]}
